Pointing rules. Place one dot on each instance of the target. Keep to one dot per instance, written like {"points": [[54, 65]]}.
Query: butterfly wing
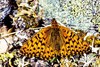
{"points": [[38, 45], [72, 44]]}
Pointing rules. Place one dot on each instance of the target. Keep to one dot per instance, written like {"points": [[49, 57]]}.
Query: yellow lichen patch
{"points": [[96, 39]]}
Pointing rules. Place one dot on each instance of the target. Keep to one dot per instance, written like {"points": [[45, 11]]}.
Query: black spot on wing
{"points": [[66, 37], [73, 35], [32, 45], [40, 41], [43, 44], [36, 43], [34, 48], [38, 36], [44, 38], [42, 33], [67, 43]]}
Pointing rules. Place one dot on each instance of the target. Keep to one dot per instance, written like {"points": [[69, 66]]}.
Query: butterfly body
{"points": [[53, 41]]}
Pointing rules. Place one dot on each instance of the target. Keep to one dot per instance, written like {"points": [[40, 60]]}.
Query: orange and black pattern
{"points": [[53, 41]]}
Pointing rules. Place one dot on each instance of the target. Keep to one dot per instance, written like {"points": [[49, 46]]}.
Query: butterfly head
{"points": [[54, 23]]}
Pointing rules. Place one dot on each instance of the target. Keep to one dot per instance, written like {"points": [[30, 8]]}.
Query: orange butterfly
{"points": [[54, 41]]}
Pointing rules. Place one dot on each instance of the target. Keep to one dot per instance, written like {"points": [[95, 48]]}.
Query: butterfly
{"points": [[54, 41]]}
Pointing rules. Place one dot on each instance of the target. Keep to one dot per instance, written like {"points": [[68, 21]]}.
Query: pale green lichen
{"points": [[74, 12]]}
